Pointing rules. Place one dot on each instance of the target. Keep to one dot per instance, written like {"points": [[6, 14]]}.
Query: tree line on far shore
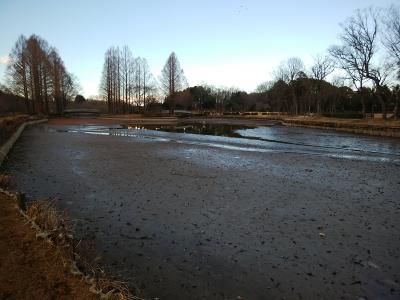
{"points": [[127, 83], [367, 65], [364, 73]]}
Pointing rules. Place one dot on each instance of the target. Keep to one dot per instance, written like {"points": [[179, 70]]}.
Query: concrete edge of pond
{"points": [[7, 146]]}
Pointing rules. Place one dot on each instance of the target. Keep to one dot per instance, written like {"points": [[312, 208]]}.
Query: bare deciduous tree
{"points": [[144, 83], [264, 86], [358, 52], [17, 71], [37, 73], [112, 80], [126, 74], [354, 69], [126, 81], [289, 71], [322, 67], [391, 35], [172, 79], [396, 95], [149, 85]]}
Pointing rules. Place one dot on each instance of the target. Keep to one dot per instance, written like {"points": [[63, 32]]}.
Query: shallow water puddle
{"points": [[197, 128], [264, 139]]}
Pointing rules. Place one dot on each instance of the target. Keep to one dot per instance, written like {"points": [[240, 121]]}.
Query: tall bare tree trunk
{"points": [[45, 92], [25, 84], [381, 101], [363, 108]]}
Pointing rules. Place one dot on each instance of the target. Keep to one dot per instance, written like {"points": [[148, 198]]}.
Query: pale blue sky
{"points": [[231, 43]]}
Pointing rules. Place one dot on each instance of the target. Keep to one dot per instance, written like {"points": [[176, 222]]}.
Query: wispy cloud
{"points": [[4, 59]]}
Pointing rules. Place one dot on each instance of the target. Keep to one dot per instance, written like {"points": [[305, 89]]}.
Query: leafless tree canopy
{"points": [[391, 36], [358, 53], [288, 72], [290, 69], [264, 86], [37, 73], [322, 67], [126, 81], [172, 79]]}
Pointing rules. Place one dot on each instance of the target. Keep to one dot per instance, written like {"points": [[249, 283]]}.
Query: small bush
{"points": [[8, 125], [79, 99], [5, 181]]}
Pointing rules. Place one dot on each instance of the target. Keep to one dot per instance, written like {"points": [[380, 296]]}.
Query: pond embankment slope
{"points": [[29, 268], [388, 128]]}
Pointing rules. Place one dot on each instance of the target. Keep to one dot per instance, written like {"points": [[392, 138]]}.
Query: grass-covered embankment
{"points": [[10, 124], [29, 267], [377, 127]]}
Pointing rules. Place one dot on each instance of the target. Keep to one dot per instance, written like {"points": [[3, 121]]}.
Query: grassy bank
{"points": [[10, 124], [376, 127], [29, 267], [40, 259]]}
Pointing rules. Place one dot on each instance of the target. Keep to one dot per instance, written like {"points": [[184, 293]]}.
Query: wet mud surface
{"points": [[291, 214]]}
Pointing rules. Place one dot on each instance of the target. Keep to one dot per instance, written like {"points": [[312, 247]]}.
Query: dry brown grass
{"points": [[365, 122], [53, 225], [12, 104], [51, 222], [5, 181], [30, 268], [9, 125]]}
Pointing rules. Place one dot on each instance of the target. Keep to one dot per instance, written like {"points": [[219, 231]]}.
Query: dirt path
{"points": [[30, 268]]}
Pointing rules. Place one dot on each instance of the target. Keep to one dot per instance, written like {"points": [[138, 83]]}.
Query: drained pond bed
{"points": [[274, 213]]}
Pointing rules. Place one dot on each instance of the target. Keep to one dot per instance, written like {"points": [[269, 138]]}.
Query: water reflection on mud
{"points": [[197, 128]]}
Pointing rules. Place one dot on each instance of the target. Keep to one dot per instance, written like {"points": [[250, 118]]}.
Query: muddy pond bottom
{"points": [[252, 213]]}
